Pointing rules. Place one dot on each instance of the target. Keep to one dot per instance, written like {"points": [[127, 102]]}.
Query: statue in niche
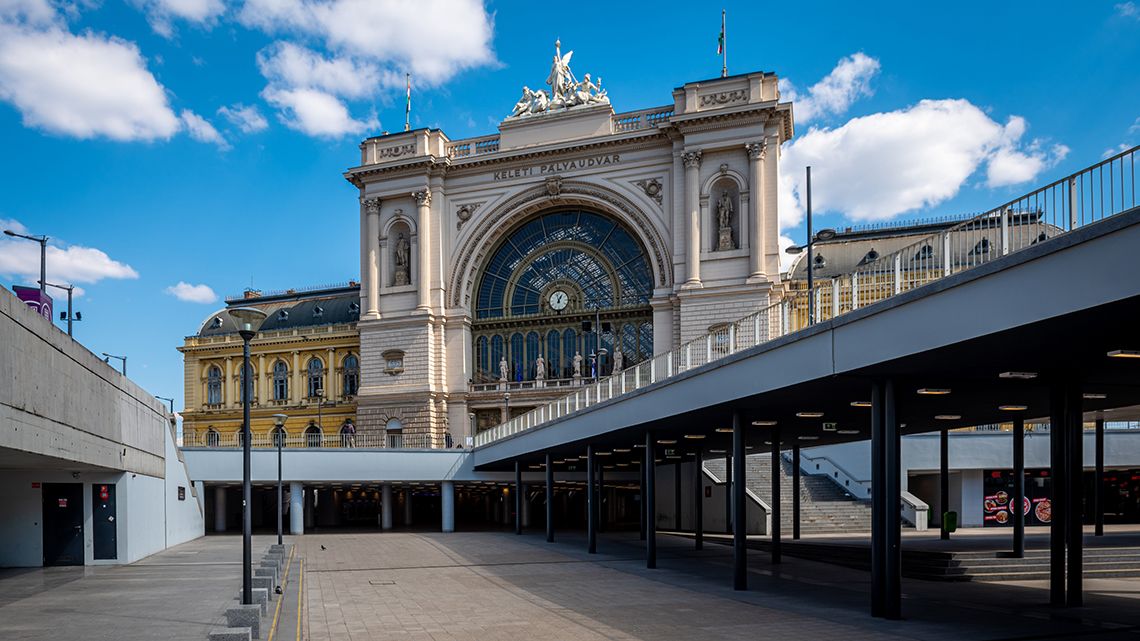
{"points": [[619, 360], [539, 368], [577, 364], [504, 369], [724, 212], [403, 254]]}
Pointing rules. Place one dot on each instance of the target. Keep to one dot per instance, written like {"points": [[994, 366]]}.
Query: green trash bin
{"points": [[950, 519]]}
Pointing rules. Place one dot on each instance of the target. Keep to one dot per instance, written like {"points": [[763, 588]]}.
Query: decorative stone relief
{"points": [[423, 197], [724, 98], [691, 159], [465, 211], [554, 186], [756, 150], [371, 205], [652, 188], [397, 151]]}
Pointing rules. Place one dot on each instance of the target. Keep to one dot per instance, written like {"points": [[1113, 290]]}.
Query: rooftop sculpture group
{"points": [[566, 91]]}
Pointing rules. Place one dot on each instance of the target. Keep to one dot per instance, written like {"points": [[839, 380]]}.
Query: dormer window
{"points": [[925, 253], [820, 261], [870, 257], [983, 247], [354, 308], [318, 311], [283, 315]]}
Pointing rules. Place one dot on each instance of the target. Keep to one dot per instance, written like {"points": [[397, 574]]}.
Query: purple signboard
{"points": [[35, 299]]}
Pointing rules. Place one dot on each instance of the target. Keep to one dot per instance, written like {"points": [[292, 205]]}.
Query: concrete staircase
{"points": [[824, 507]]}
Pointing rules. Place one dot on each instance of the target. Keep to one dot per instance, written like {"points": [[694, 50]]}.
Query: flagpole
{"points": [[408, 106], [724, 46]]}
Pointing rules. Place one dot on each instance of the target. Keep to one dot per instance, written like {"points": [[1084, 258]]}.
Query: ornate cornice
{"points": [[756, 150], [371, 205], [691, 159], [423, 197]]}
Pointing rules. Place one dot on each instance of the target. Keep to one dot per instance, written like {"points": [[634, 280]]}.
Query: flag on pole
{"points": [[408, 107], [720, 40]]}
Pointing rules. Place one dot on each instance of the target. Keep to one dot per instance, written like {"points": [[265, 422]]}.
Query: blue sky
{"points": [[201, 142]]}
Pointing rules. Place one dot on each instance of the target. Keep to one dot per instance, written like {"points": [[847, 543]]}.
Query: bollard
{"points": [[263, 582], [245, 616], [230, 634]]}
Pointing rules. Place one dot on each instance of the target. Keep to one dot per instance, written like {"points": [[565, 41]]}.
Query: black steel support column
{"points": [[677, 496], [1058, 463], [698, 502], [549, 498], [1098, 479], [591, 502], [601, 497], [1074, 430], [877, 495], [641, 502], [740, 519], [776, 474], [892, 463], [944, 482], [1018, 499], [728, 493], [795, 491], [518, 497], [650, 503]]}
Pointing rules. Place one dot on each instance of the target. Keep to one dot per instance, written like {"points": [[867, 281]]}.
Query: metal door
{"points": [[63, 523], [103, 528]]}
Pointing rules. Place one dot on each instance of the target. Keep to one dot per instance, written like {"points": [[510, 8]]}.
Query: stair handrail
{"points": [[759, 501], [860, 489]]}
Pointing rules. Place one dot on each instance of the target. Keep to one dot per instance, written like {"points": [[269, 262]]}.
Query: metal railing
{"points": [[391, 440], [1090, 195]]}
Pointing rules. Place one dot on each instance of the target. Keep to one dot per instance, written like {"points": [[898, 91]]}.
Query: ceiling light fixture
{"points": [[1013, 408], [718, 451], [934, 391], [666, 441], [1021, 375], [808, 438], [1124, 353], [1094, 395], [847, 432], [724, 430], [947, 417], [694, 436], [860, 403], [809, 414], [623, 450], [763, 423]]}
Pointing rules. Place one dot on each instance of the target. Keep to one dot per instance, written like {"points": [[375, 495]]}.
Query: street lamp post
{"points": [[107, 359], [279, 435], [169, 400], [507, 406], [69, 317], [823, 234], [42, 240], [249, 319], [320, 403]]}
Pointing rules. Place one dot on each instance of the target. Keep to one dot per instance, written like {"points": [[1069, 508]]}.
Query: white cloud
{"points": [[32, 12], [1128, 10], [201, 130], [83, 86], [879, 166], [434, 39], [186, 292], [248, 119], [847, 82], [315, 112], [1135, 128], [66, 264], [161, 14], [288, 65]]}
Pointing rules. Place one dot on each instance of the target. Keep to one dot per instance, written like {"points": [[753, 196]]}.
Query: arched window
{"points": [[279, 436], [517, 357], [497, 353], [629, 345], [569, 349], [533, 349], [395, 430], [351, 375], [645, 342], [483, 361], [312, 435], [552, 352], [280, 381], [214, 386], [316, 375], [212, 437]]}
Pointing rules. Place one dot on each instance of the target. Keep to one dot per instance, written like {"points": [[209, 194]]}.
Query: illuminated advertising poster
{"points": [[997, 504], [37, 300]]}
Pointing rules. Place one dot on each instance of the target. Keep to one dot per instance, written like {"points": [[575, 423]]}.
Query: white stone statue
{"points": [[403, 254], [619, 359], [724, 222], [524, 104], [560, 76], [504, 369], [577, 364], [539, 368], [565, 90]]}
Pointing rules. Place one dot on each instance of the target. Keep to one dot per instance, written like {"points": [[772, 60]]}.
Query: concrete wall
{"points": [[102, 420], [185, 519]]}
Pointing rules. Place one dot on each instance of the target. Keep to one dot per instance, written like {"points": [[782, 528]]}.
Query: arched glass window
{"points": [[517, 356], [214, 385], [533, 350], [569, 348], [629, 345], [645, 342], [394, 429], [212, 437], [351, 375], [279, 436], [598, 254], [553, 350], [589, 353], [244, 387], [483, 361], [280, 381], [316, 375], [312, 436]]}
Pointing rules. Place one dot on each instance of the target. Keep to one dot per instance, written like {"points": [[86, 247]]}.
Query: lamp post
{"points": [[507, 406], [320, 403], [823, 234], [248, 319], [42, 240], [279, 436], [169, 400], [107, 359], [68, 316]]}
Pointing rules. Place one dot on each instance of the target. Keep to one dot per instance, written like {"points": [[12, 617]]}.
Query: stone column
{"points": [[447, 505], [692, 161], [372, 277], [756, 190], [261, 376], [330, 377], [219, 508], [297, 378], [386, 506], [407, 508], [423, 234], [525, 509], [228, 384], [296, 508], [771, 213]]}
